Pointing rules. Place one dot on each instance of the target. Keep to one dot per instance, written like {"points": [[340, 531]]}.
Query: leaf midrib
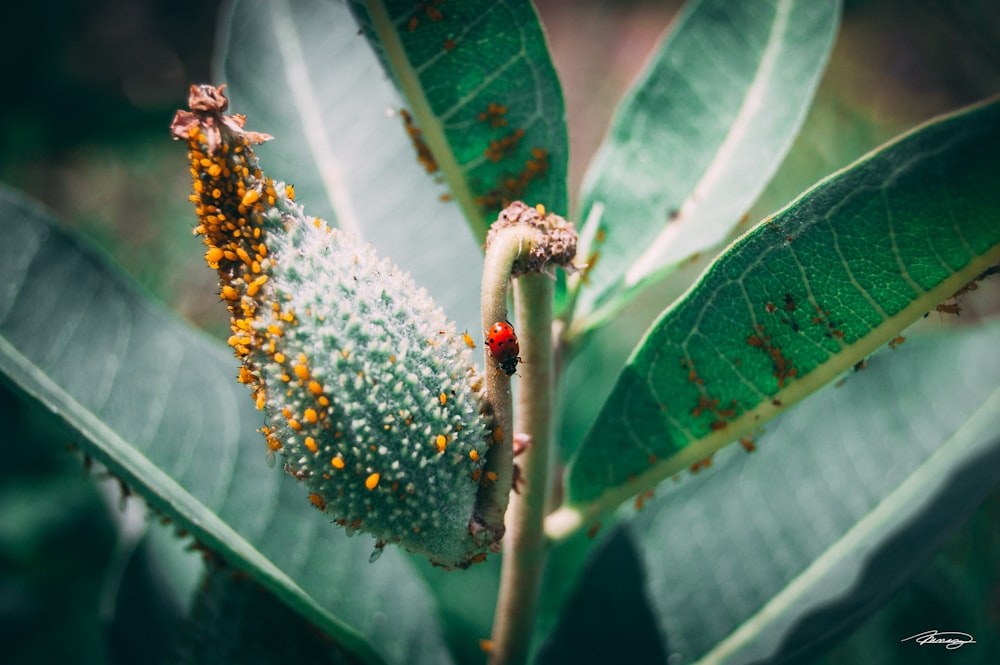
{"points": [[430, 125], [570, 517]]}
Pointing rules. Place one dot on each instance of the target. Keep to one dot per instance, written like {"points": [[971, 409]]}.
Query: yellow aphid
{"points": [[371, 482], [441, 442], [250, 197], [337, 463], [214, 255]]}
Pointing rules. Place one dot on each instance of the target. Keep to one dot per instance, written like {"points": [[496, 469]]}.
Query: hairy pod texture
{"points": [[370, 396]]}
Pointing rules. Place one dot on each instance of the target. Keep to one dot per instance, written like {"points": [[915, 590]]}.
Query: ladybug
{"points": [[502, 342]]}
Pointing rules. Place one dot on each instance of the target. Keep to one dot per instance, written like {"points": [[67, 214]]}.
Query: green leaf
{"points": [[464, 602], [957, 589], [157, 402], [833, 136], [236, 620], [299, 70], [609, 608], [484, 93], [796, 302], [57, 541], [154, 580], [698, 137], [774, 555]]}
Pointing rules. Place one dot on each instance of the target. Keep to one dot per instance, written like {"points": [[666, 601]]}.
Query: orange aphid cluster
{"points": [[429, 9], [424, 154], [513, 186], [384, 430], [230, 196], [498, 149], [783, 369], [494, 114]]}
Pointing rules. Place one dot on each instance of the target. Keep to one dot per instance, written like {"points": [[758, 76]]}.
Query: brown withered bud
{"points": [[207, 105], [557, 246]]}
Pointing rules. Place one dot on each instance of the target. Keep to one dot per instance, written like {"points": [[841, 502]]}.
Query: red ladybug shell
{"points": [[502, 343]]}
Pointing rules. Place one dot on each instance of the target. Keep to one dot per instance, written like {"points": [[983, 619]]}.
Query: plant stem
{"points": [[524, 543], [529, 243], [506, 248]]}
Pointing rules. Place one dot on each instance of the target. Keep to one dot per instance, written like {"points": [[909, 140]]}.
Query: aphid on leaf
{"points": [[949, 308]]}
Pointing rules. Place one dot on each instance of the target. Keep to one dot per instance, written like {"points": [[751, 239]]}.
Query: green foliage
{"points": [[774, 556], [358, 151], [824, 529], [484, 96], [231, 604], [57, 539], [799, 300], [698, 137], [156, 402]]}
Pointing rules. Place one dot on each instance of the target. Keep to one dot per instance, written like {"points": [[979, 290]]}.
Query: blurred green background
{"points": [[89, 90]]}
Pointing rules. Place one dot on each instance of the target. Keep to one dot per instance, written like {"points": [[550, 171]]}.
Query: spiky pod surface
{"points": [[370, 396]]}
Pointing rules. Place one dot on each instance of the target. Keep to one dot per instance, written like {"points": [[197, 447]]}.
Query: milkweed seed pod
{"points": [[370, 397]]}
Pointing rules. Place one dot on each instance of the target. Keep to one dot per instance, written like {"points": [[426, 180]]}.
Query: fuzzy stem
{"points": [[524, 543], [507, 247]]}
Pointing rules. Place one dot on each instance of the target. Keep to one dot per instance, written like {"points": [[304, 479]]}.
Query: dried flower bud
{"points": [[370, 397], [556, 245]]}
